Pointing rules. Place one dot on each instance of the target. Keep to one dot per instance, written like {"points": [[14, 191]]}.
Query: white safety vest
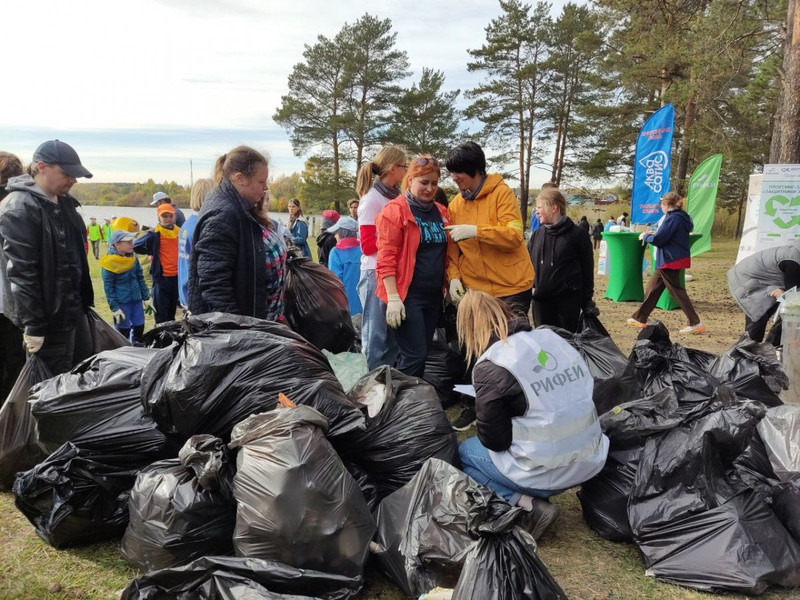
{"points": [[558, 442]]}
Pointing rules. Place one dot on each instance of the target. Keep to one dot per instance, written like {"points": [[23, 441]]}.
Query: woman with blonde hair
{"points": [[412, 250], [538, 431], [200, 188], [378, 183]]}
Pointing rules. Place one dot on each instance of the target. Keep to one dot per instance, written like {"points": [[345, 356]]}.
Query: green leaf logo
{"points": [[542, 356]]}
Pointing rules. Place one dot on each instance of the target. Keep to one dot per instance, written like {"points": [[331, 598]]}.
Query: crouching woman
{"points": [[538, 431]]}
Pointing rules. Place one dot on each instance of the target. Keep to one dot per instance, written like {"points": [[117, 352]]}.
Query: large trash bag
{"points": [[233, 367], [97, 406], [18, 448], [753, 468], [699, 528], [405, 426], [231, 578], [104, 336], [77, 496], [444, 367], [604, 498], [504, 564], [424, 527], [786, 505], [780, 431], [316, 305], [752, 370], [296, 502], [182, 509]]}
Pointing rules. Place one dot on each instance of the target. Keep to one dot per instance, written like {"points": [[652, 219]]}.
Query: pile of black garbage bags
{"points": [[228, 459]]}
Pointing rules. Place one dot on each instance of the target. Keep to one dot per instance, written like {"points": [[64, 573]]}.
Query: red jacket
{"points": [[398, 241]]}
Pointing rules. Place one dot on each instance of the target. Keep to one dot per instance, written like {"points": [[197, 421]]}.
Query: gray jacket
{"points": [[752, 280]]}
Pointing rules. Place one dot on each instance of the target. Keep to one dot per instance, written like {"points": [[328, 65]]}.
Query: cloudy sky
{"points": [[141, 88]]}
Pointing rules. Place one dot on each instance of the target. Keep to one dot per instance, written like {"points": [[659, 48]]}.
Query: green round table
{"points": [[666, 301], [625, 254]]}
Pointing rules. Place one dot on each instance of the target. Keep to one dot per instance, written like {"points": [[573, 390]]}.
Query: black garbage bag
{"points": [[444, 367], [182, 509], [165, 334], [752, 370], [104, 336], [97, 406], [424, 527], [77, 496], [699, 528], [592, 322], [316, 306], [405, 426], [786, 505], [18, 448], [231, 578], [234, 367], [504, 565], [604, 498], [296, 502], [753, 468]]}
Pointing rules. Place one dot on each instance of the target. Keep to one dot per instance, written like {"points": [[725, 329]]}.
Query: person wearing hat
{"points": [[95, 233], [325, 239], [161, 243], [123, 281], [160, 198], [345, 259], [47, 285]]}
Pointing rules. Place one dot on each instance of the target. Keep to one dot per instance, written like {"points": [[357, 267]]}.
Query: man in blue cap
{"points": [[47, 290]]}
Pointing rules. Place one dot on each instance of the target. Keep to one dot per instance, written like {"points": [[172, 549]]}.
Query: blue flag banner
{"points": [[651, 166]]}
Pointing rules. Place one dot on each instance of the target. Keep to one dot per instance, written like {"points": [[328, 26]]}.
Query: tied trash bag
{"points": [[97, 406], [697, 527], [18, 448], [233, 367], [104, 336], [182, 509], [317, 307], [444, 367], [504, 564], [752, 370], [77, 496], [296, 502], [405, 426], [230, 578]]}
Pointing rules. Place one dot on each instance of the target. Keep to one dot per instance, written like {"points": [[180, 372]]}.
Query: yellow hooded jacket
{"points": [[496, 261]]}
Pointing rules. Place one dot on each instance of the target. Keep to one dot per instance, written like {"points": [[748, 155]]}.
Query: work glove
{"points": [[148, 306], [462, 232], [590, 309], [395, 311], [118, 315], [456, 290], [32, 343]]}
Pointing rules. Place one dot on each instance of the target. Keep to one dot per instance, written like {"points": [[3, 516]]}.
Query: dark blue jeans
{"points": [[165, 298], [415, 334]]}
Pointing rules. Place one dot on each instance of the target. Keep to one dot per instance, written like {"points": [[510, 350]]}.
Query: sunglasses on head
{"points": [[423, 161]]}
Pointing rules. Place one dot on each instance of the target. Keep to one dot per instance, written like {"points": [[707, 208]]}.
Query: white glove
{"points": [[462, 232], [456, 290], [395, 311], [33, 343], [148, 306], [118, 315]]}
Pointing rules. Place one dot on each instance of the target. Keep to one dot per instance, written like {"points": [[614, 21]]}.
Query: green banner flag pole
{"points": [[701, 200]]}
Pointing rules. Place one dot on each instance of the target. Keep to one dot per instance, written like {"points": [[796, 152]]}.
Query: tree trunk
{"points": [[686, 143], [785, 146], [563, 149], [559, 129]]}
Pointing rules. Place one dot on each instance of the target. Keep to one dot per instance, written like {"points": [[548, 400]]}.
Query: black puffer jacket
{"points": [[563, 262], [325, 242], [227, 265], [44, 290], [498, 398]]}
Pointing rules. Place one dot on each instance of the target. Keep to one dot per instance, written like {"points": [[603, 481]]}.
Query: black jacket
{"points": [[45, 290], [498, 398], [227, 265], [325, 242], [563, 262]]}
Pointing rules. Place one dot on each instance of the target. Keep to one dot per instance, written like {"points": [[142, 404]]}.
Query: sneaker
{"points": [[635, 323], [699, 328], [539, 517], [465, 420]]}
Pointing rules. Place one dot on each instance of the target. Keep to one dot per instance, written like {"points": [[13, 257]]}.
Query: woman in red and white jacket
{"points": [[412, 251]]}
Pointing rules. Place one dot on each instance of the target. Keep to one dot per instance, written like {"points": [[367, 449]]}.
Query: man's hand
{"points": [[590, 309], [32, 343], [118, 315], [456, 290], [395, 311], [462, 232]]}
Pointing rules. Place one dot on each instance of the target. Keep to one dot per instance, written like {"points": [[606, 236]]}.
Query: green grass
{"points": [[586, 566]]}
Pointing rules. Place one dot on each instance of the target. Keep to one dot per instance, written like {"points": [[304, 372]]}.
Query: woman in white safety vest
{"points": [[538, 431]]}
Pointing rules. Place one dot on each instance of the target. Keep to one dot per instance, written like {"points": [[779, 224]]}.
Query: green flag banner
{"points": [[702, 199]]}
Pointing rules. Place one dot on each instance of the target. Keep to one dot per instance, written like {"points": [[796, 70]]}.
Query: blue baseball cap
{"points": [[56, 152]]}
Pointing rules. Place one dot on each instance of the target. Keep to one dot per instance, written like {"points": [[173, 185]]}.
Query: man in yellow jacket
{"points": [[486, 249]]}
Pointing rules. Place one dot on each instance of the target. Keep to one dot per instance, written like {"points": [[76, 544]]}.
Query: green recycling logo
{"points": [[771, 208], [545, 362]]}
